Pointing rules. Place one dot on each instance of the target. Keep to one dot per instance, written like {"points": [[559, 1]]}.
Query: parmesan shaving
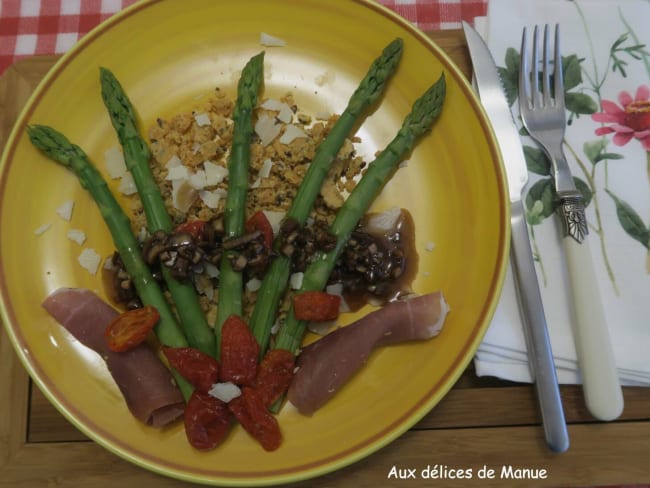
{"points": [[272, 104], [291, 132], [265, 170], [114, 162], [178, 173], [202, 119], [65, 210], [173, 162], [296, 280], [267, 129], [271, 41], [211, 198], [253, 284], [43, 228], [89, 260], [275, 219], [285, 114], [214, 173], [77, 236], [225, 391], [198, 180], [127, 185]]}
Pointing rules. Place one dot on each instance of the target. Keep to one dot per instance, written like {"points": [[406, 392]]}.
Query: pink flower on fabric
{"points": [[629, 120]]}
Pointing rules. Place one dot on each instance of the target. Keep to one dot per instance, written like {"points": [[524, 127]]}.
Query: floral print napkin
{"points": [[606, 62]]}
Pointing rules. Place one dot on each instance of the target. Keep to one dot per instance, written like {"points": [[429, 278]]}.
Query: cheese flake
{"points": [[225, 391], [296, 280], [173, 162], [41, 229], [114, 162], [275, 219], [65, 210], [271, 41], [267, 129], [89, 260], [211, 198], [77, 236], [292, 132], [127, 185], [202, 119], [198, 180], [214, 173], [178, 173]]}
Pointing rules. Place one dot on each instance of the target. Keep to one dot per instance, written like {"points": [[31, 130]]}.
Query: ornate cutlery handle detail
{"points": [[571, 210]]}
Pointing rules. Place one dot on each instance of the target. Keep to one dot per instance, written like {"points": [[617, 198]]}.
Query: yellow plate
{"points": [[167, 54]]}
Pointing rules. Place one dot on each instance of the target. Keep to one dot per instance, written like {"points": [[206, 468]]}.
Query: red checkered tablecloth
{"points": [[39, 27]]}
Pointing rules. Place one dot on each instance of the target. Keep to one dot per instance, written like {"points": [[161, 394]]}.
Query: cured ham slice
{"points": [[326, 365], [146, 384]]}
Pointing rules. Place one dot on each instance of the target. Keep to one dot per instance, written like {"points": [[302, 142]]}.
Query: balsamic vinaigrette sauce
{"points": [[377, 265]]}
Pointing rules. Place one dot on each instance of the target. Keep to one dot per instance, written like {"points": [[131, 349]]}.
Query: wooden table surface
{"points": [[481, 422]]}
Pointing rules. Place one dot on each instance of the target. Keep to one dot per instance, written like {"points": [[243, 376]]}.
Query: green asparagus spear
{"points": [[276, 278], [230, 281], [137, 156], [425, 110], [56, 146]]}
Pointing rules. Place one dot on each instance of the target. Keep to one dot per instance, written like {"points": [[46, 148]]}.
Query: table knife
{"points": [[542, 365]]}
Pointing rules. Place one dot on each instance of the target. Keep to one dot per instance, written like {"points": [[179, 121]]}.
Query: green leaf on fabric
{"points": [[631, 221], [540, 201], [580, 103], [510, 75], [593, 149], [572, 71], [537, 161]]}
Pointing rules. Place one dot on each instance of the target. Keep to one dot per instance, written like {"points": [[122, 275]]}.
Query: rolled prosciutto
{"points": [[326, 365], [146, 384]]}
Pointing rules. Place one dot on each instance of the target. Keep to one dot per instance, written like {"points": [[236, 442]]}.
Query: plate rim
{"points": [[303, 472]]}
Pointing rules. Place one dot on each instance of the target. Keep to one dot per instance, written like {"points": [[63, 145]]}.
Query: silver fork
{"points": [[544, 116]]}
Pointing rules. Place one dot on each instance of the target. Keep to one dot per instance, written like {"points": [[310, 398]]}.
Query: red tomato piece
{"points": [[316, 306], [195, 366], [252, 414], [207, 421], [274, 375], [196, 228], [131, 328], [239, 352], [259, 221]]}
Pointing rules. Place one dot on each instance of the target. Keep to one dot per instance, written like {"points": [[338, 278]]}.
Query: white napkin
{"points": [[604, 38]]}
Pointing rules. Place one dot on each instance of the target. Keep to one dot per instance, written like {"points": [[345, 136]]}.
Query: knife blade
{"points": [[540, 355]]}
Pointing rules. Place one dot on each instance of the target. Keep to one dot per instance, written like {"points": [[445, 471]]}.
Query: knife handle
{"points": [[601, 387], [536, 333]]}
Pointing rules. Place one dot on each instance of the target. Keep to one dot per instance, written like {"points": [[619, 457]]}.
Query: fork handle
{"points": [[601, 387]]}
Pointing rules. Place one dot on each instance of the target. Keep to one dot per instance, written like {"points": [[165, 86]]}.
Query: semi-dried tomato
{"points": [[200, 369], [130, 328], [259, 221], [274, 375], [317, 306], [253, 415], [195, 228], [239, 352], [207, 421]]}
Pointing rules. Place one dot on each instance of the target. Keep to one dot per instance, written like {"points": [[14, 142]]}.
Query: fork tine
{"points": [[559, 76], [524, 73], [534, 96], [546, 71]]}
